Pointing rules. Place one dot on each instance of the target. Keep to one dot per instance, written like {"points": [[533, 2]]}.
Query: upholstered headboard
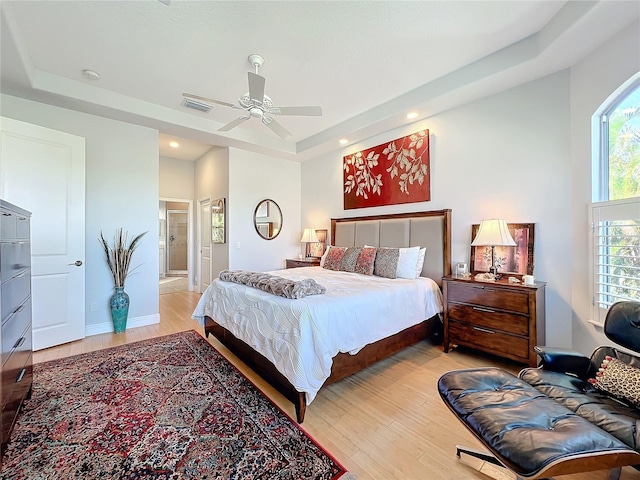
{"points": [[431, 230]]}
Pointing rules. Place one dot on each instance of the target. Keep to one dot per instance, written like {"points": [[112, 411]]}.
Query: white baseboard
{"points": [[134, 322]]}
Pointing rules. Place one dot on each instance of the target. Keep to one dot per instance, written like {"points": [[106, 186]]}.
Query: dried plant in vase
{"points": [[118, 259]]}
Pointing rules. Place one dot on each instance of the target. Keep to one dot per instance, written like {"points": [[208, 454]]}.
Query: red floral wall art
{"points": [[388, 174]]}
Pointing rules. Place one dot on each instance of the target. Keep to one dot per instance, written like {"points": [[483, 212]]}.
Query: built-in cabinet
{"points": [[15, 304]]}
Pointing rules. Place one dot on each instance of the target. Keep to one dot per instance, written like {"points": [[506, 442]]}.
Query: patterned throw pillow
{"points": [[350, 258], [366, 261], [619, 379], [333, 260], [386, 263]]}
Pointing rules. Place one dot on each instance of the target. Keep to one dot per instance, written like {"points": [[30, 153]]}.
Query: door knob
{"points": [[172, 238], [77, 263]]}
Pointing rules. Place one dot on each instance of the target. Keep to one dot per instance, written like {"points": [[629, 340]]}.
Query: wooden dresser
{"points": [[15, 305], [500, 318]]}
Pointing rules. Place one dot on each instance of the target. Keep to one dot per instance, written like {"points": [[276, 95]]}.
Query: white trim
{"points": [[135, 322]]}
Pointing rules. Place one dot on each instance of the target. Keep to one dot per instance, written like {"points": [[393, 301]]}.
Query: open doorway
{"points": [[175, 245]]}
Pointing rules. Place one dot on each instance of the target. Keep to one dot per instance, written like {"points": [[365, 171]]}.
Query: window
{"points": [[615, 218]]}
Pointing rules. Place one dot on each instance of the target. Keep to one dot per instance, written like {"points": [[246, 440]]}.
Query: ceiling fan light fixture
{"points": [[257, 104]]}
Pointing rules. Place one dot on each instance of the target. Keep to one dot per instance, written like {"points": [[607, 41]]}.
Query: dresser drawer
{"points": [[14, 292], [8, 225], [491, 319], [13, 329], [14, 257], [489, 340], [23, 230], [17, 367], [485, 295]]}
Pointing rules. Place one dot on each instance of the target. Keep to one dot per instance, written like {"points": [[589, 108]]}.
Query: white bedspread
{"points": [[300, 337]]}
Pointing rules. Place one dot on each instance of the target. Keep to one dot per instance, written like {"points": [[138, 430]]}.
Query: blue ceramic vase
{"points": [[119, 310]]}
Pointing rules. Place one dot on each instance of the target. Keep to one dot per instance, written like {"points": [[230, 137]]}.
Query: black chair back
{"points": [[622, 324]]}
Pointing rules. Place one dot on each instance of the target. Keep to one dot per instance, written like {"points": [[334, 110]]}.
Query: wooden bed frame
{"points": [[344, 364]]}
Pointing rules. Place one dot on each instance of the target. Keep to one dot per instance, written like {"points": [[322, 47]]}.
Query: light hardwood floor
{"points": [[385, 422]]}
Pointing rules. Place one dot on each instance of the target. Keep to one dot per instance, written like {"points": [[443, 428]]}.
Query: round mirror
{"points": [[268, 219]]}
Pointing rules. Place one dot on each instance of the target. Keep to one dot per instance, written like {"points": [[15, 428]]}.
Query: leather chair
{"points": [[551, 420]]}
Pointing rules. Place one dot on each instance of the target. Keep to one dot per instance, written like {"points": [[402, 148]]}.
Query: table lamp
{"points": [[493, 232], [309, 236]]}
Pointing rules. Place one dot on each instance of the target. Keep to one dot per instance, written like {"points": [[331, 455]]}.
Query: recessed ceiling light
{"points": [[174, 144], [91, 75], [343, 141], [412, 115]]}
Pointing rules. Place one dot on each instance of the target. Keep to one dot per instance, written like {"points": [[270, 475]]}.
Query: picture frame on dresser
{"points": [[514, 261]]}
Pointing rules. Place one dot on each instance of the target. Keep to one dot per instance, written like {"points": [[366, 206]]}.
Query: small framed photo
{"points": [[516, 261], [316, 249], [218, 234]]}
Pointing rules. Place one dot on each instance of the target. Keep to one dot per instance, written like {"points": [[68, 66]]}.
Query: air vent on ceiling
{"points": [[202, 107]]}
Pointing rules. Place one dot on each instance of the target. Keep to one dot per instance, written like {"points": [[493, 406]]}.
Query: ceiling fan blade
{"points": [[206, 99], [276, 127], [234, 123], [303, 111], [256, 87]]}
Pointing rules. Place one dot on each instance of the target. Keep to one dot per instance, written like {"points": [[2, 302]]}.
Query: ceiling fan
{"points": [[258, 105]]}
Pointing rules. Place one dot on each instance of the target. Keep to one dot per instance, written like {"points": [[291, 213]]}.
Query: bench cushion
{"points": [[620, 420], [520, 425]]}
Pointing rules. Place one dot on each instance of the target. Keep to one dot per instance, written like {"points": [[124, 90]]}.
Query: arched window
{"points": [[615, 215]]}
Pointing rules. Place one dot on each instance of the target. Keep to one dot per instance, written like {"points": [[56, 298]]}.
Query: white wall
{"points": [[593, 80], [121, 191], [254, 177], [212, 181], [176, 178], [503, 156]]}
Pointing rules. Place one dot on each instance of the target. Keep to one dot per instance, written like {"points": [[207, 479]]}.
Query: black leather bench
{"points": [[525, 430]]}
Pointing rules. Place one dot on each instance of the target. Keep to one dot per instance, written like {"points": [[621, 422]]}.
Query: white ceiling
{"points": [[366, 63]]}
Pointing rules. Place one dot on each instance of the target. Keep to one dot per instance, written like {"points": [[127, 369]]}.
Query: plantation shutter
{"points": [[615, 259]]}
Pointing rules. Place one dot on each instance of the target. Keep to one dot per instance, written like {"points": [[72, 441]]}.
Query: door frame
{"points": [[190, 240], [199, 244]]}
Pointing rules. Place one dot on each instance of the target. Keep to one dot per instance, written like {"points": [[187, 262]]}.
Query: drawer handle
{"points": [[22, 372], [479, 287], [485, 330], [19, 309], [19, 343], [488, 310], [6, 214]]}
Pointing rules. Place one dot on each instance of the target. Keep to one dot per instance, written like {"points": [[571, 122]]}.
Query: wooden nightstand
{"points": [[504, 319], [305, 262]]}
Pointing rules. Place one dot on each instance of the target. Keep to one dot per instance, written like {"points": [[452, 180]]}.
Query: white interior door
{"points": [[42, 170], [204, 236]]}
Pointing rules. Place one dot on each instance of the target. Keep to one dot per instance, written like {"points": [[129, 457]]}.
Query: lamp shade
{"points": [[309, 235], [493, 232]]}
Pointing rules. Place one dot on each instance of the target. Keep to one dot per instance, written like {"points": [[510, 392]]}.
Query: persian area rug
{"points": [[166, 408]]}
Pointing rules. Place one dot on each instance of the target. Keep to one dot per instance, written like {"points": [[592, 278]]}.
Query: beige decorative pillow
{"points": [[386, 263], [350, 258], [619, 379]]}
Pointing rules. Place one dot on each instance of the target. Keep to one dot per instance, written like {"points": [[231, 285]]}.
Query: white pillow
{"points": [[420, 263], [324, 255], [407, 262]]}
